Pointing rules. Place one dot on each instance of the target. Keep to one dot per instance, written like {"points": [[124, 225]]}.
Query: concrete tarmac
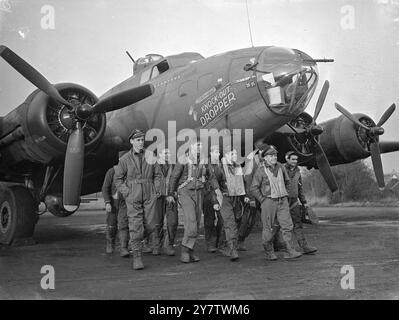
{"points": [[365, 238]]}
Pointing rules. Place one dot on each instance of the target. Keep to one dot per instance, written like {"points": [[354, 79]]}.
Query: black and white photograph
{"points": [[199, 154]]}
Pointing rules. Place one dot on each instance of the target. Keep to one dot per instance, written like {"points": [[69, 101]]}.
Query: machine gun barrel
{"points": [[319, 60]]}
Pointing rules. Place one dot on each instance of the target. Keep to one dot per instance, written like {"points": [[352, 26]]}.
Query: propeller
{"points": [[78, 114], [373, 133], [31, 74], [310, 133]]}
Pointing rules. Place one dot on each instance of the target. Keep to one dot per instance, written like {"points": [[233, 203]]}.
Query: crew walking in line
{"points": [[231, 182], [188, 179], [138, 177], [295, 193], [269, 187], [213, 224], [167, 214]]}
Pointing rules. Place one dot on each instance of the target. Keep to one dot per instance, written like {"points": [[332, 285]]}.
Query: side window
{"points": [[159, 68], [145, 76], [154, 72]]}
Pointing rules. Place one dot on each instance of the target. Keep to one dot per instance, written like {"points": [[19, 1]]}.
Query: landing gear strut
{"points": [[17, 215]]}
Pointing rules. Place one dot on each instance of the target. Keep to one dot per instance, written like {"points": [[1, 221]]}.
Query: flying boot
{"points": [[269, 251], [123, 239], [185, 256], [224, 249], [305, 247], [233, 250], [110, 236], [193, 256], [137, 261], [291, 252]]}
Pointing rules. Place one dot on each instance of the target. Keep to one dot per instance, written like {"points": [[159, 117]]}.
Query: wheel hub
{"points": [[5, 218]]}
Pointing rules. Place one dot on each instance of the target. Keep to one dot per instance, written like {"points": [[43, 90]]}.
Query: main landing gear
{"points": [[18, 215]]}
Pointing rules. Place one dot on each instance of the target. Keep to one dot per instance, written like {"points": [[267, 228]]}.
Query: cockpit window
{"points": [[159, 68], [144, 62], [154, 72], [145, 76], [149, 58]]}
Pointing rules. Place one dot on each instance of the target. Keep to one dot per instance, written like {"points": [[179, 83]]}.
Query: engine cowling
{"points": [[343, 141], [43, 127]]}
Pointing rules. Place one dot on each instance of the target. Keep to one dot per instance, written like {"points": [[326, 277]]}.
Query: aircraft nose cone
{"points": [[286, 79]]}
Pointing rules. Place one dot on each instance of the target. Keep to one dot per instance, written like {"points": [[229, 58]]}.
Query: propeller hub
{"points": [[316, 130], [84, 111], [377, 131]]}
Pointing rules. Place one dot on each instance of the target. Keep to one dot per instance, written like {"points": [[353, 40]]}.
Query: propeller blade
{"points": [[386, 115], [324, 166], [389, 146], [321, 99], [347, 114], [124, 98], [377, 163], [73, 169], [31, 74]]}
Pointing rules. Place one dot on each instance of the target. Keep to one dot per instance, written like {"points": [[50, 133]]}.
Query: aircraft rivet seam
{"points": [[166, 81]]}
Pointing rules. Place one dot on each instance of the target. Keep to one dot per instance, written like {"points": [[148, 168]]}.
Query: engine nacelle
{"points": [[38, 130], [343, 141], [54, 205]]}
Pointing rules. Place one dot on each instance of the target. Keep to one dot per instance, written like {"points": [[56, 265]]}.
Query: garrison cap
{"points": [[136, 133], [291, 153], [269, 150], [261, 146]]}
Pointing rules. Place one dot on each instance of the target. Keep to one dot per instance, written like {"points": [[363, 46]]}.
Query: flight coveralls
{"points": [[167, 214], [139, 183], [233, 192], [295, 193], [213, 225], [269, 186], [188, 180], [110, 195]]}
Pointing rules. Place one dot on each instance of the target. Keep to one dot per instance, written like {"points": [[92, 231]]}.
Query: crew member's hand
{"points": [[108, 207], [216, 207], [170, 199], [246, 200]]}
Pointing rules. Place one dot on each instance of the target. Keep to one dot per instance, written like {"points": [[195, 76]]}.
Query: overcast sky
{"points": [[86, 43]]}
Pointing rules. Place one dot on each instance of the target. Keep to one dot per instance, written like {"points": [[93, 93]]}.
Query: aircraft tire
{"points": [[17, 214]]}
